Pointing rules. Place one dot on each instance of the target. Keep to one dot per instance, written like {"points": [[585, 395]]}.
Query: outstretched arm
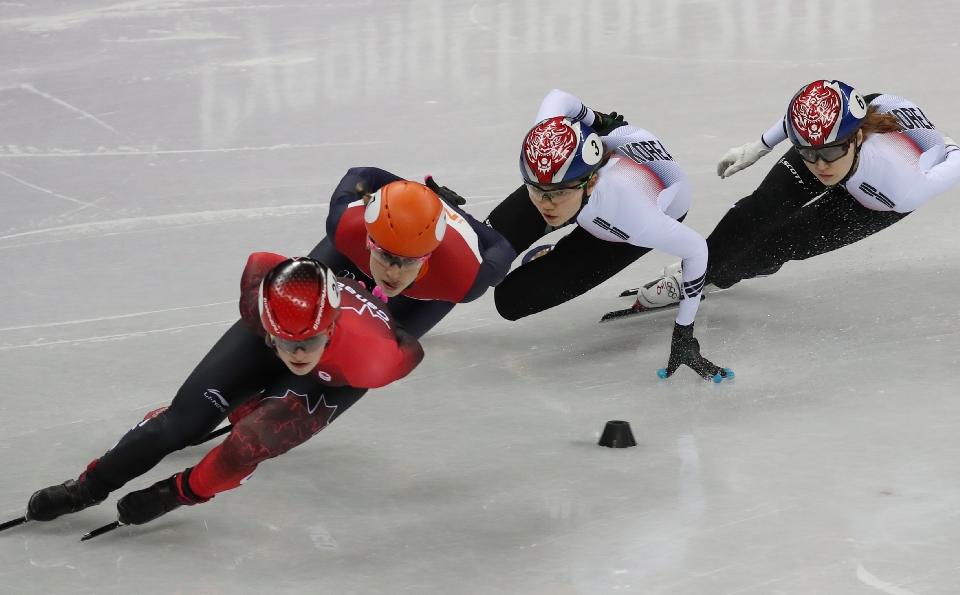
{"points": [[498, 255]]}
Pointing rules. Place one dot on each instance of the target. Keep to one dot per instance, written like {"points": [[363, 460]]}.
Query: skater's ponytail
{"points": [[876, 123]]}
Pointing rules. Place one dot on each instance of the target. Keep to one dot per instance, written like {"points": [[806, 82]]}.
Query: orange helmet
{"points": [[406, 218]]}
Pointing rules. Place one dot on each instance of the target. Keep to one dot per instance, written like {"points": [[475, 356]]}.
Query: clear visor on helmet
{"points": [[389, 259]]}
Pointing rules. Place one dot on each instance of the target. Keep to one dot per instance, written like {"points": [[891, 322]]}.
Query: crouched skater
{"points": [[423, 254], [308, 347], [857, 165], [628, 196]]}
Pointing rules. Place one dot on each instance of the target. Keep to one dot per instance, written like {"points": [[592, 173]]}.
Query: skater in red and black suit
{"points": [[423, 254], [308, 347]]}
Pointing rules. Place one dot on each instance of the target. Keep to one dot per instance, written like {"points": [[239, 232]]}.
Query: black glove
{"points": [[604, 124], [444, 192], [684, 349]]}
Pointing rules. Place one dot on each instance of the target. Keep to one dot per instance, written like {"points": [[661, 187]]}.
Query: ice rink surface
{"points": [[148, 146]]}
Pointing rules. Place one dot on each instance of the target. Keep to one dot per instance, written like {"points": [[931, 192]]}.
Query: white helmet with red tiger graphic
{"points": [[559, 150], [824, 113]]}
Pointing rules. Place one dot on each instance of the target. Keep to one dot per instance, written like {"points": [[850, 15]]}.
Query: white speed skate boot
{"points": [[664, 291]]}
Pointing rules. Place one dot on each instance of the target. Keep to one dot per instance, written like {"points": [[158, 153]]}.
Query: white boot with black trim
{"points": [[664, 291]]}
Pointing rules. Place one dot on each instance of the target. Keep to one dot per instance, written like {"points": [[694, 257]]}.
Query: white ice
{"points": [[147, 147]]}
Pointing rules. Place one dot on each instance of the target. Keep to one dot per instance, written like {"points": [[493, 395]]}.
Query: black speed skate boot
{"points": [[143, 506], [70, 496]]}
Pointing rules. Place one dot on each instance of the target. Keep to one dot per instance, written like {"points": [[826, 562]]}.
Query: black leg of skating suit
{"points": [[578, 263], [238, 367], [790, 216]]}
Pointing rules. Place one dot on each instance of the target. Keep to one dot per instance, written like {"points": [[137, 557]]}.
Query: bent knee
{"points": [[508, 304]]}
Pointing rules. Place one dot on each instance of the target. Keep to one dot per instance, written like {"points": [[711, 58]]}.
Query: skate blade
{"points": [[102, 530], [13, 523], [637, 310], [634, 311]]}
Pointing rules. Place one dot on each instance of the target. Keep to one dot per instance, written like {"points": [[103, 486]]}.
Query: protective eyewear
{"points": [[558, 195], [388, 259], [312, 344], [825, 154]]}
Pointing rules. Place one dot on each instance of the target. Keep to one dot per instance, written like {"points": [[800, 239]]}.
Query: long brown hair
{"points": [[607, 154], [876, 123]]}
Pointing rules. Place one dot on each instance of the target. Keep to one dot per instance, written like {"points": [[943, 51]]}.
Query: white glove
{"points": [[949, 141], [741, 157]]}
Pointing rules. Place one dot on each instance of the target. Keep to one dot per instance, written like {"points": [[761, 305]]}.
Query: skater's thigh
{"points": [[841, 221], [579, 262], [323, 402], [238, 367]]}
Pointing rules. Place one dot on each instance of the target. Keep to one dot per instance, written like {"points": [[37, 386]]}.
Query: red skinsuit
{"points": [[448, 275], [364, 352]]}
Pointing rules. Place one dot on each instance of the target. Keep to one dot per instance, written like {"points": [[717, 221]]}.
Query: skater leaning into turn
{"points": [[857, 165], [421, 254], [307, 347], [628, 196]]}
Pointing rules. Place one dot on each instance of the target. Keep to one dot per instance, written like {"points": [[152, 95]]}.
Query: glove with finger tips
{"points": [[685, 350], [443, 192], [741, 158], [604, 124]]}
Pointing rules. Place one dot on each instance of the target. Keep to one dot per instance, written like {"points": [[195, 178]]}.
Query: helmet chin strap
{"points": [[853, 166], [584, 198]]}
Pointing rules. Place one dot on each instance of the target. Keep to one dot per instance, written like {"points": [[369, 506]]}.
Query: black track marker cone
{"points": [[617, 434]]}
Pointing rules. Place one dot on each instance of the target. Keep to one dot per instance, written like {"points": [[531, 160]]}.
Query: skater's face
{"points": [[561, 205], [395, 277], [301, 362], [831, 173]]}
